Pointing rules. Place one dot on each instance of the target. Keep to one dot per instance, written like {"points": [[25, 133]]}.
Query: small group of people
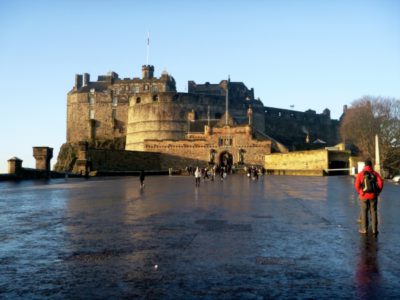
{"points": [[368, 185], [209, 173], [254, 172], [190, 170]]}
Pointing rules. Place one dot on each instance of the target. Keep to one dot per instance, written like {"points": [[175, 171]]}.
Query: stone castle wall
{"points": [[98, 110], [94, 116], [299, 160], [238, 142], [315, 162], [291, 127], [164, 116], [161, 116], [151, 116], [120, 160], [113, 108]]}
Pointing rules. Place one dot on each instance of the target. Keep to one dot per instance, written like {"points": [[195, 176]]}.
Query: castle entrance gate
{"points": [[226, 160]]}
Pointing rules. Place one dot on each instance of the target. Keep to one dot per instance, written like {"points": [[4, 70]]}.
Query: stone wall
{"points": [[119, 160], [98, 118], [233, 140], [291, 128], [299, 160], [313, 162]]}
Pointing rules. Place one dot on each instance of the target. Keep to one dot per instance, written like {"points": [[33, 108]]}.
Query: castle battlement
{"points": [[134, 109]]}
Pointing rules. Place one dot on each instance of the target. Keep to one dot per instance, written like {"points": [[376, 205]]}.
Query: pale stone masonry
{"points": [[148, 114]]}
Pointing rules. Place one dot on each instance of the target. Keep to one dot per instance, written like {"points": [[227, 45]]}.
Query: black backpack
{"points": [[369, 184]]}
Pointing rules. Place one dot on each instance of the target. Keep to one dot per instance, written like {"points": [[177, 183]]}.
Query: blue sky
{"points": [[310, 54]]}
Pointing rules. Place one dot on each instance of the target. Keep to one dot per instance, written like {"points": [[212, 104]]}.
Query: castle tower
{"points": [[14, 165], [161, 118], [43, 155], [147, 72]]}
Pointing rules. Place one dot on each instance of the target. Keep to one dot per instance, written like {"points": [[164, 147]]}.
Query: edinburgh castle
{"points": [[210, 124]]}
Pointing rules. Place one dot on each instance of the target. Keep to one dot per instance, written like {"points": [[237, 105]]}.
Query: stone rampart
{"points": [[314, 162], [292, 127], [120, 160], [299, 160]]}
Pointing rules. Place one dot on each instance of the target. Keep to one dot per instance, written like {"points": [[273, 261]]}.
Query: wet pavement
{"points": [[279, 237]]}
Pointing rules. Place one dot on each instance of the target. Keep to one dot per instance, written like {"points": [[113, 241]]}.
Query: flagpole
{"points": [[227, 101], [148, 48]]}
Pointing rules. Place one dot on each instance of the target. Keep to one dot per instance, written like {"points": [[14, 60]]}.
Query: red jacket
{"points": [[360, 179]]}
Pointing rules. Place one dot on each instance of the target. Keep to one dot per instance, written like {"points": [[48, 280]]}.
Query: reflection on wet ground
{"points": [[279, 237]]}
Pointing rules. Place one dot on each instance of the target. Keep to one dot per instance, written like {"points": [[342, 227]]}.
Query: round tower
{"points": [[155, 118]]}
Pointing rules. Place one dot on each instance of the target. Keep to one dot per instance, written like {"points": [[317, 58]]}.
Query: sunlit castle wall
{"points": [[154, 116], [96, 110], [164, 116]]}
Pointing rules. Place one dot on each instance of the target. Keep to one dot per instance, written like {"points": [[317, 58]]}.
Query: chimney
{"points": [[86, 79], [78, 81]]}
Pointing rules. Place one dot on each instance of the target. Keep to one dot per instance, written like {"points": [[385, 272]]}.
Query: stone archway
{"points": [[225, 159]]}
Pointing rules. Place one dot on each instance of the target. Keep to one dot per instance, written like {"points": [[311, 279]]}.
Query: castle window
{"points": [[279, 114], [155, 98], [146, 87], [154, 89], [136, 89], [91, 114], [114, 101], [138, 100], [224, 141], [91, 100]]}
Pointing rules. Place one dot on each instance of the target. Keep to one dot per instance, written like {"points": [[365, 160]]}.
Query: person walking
{"points": [[197, 176], [141, 178], [368, 185]]}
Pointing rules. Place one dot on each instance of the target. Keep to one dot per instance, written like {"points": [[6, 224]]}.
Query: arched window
{"points": [[138, 100], [155, 98]]}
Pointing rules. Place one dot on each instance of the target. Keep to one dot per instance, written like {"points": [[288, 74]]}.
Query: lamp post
{"points": [[377, 155]]}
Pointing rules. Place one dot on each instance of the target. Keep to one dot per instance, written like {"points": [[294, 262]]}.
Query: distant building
{"points": [[148, 114]]}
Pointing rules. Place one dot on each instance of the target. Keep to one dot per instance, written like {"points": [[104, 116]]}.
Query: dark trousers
{"points": [[369, 208]]}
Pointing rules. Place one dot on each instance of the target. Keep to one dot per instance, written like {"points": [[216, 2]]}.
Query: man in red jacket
{"points": [[368, 184]]}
